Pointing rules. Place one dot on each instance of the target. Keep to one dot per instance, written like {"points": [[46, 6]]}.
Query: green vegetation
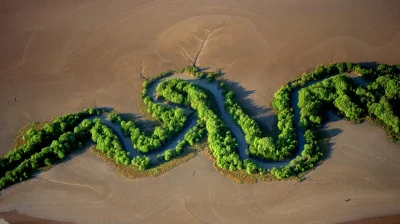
{"points": [[192, 137], [47, 155], [322, 90], [107, 143], [173, 121], [378, 98], [36, 139], [133, 171], [220, 139], [261, 146], [142, 162], [342, 95], [195, 72]]}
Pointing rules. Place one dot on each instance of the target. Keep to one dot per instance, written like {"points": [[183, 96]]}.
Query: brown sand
{"points": [[63, 56]]}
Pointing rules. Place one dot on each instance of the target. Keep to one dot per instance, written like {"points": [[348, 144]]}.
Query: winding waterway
{"points": [[232, 125]]}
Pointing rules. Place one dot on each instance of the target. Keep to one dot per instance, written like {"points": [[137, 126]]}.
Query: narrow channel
{"points": [[232, 125]]}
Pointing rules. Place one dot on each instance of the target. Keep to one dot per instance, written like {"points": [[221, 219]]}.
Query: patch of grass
{"points": [[18, 141]]}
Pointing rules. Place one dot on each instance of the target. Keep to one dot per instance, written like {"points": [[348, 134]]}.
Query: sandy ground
{"points": [[63, 56]]}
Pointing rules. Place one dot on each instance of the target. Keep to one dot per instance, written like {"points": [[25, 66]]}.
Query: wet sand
{"points": [[63, 56]]}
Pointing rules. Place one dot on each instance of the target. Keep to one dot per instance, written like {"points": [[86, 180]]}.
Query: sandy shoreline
{"points": [[63, 56]]}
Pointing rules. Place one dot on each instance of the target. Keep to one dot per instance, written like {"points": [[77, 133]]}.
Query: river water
{"points": [[233, 126]]}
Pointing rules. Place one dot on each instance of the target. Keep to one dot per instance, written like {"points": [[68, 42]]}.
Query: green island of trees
{"points": [[352, 91]]}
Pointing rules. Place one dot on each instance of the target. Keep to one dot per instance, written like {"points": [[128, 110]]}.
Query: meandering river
{"points": [[233, 126]]}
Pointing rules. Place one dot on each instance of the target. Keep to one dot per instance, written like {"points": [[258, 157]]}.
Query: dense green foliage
{"points": [[169, 154], [313, 102], [35, 140], [58, 149], [341, 95], [173, 121], [195, 134], [260, 146], [318, 92], [378, 98], [108, 143], [220, 139], [334, 91], [143, 162], [192, 137]]}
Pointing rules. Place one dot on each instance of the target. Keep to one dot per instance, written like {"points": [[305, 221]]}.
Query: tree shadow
{"points": [[361, 81], [325, 135], [105, 109], [330, 116], [204, 69], [130, 116], [262, 114], [369, 64], [333, 132]]}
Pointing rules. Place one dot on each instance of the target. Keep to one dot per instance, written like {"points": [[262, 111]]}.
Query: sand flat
{"points": [[63, 56]]}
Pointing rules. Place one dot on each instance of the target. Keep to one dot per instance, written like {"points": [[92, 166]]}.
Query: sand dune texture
{"points": [[69, 55]]}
